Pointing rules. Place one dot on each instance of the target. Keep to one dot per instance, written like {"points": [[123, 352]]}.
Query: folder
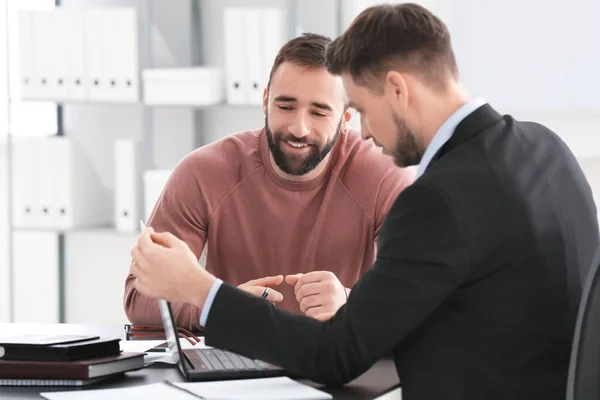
{"points": [[235, 68], [80, 198], [253, 90], [96, 84], [35, 276], [38, 347], [121, 54], [128, 185], [45, 172], [80, 370], [28, 82], [25, 183], [45, 63], [273, 35], [76, 79]]}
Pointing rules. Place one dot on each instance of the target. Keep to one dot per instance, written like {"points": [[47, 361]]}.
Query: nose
{"points": [[299, 128]]}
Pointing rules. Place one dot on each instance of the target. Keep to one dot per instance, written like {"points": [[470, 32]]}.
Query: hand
{"points": [[166, 268], [258, 286], [320, 293]]}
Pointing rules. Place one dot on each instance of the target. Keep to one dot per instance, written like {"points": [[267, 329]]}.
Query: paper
{"points": [[156, 391], [394, 394], [141, 346], [281, 388]]}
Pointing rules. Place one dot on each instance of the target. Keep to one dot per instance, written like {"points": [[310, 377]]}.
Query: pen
{"points": [[197, 396]]}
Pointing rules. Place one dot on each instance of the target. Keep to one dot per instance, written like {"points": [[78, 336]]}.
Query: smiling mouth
{"points": [[297, 145]]}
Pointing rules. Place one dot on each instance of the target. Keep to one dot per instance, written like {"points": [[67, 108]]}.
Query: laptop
{"points": [[210, 363]]}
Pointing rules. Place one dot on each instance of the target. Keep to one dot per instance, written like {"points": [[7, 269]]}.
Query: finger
{"points": [[266, 281], [135, 269], [311, 301], [257, 291], [145, 241], [166, 239], [315, 276], [137, 256], [292, 279], [314, 311], [309, 289], [324, 316], [312, 277], [140, 287]]}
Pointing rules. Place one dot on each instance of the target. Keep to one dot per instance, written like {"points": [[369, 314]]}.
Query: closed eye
{"points": [[284, 107]]}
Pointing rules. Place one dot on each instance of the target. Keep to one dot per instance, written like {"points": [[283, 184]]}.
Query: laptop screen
{"points": [[170, 331]]}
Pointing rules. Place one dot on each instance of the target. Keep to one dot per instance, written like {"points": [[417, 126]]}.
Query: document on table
{"points": [[142, 346], [155, 391], [280, 388]]}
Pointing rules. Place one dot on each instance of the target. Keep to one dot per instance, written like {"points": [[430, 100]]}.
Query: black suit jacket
{"points": [[476, 284]]}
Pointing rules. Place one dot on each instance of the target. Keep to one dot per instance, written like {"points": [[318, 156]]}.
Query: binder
{"points": [[76, 79], [25, 166], [254, 87], [45, 172], [128, 185], [80, 198], [121, 54], [96, 84], [78, 347], [112, 54], [28, 81], [235, 75], [72, 370], [274, 35], [35, 276], [45, 68]]}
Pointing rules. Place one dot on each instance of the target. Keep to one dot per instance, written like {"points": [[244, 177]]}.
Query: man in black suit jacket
{"points": [[480, 263]]}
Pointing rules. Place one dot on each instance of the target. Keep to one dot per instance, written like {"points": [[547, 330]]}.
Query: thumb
{"points": [[166, 239], [292, 279]]}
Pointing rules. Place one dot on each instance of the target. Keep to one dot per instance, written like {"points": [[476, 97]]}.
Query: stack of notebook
{"points": [[65, 360]]}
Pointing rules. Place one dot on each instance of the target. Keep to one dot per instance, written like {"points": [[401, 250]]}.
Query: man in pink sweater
{"points": [[296, 205]]}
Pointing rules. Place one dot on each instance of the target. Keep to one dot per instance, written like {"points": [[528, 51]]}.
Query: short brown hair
{"points": [[404, 37], [307, 50]]}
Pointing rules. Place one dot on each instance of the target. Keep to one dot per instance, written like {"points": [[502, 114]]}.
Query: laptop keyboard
{"points": [[216, 360]]}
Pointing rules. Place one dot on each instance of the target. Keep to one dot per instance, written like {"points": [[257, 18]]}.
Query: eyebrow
{"points": [[289, 99]]}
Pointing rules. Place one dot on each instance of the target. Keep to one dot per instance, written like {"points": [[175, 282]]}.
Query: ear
{"points": [[396, 88], [265, 100], [346, 118]]}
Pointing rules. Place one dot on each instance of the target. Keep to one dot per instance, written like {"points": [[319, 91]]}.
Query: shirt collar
{"points": [[446, 131]]}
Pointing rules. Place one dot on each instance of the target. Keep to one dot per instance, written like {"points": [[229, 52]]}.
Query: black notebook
{"points": [[56, 347]]}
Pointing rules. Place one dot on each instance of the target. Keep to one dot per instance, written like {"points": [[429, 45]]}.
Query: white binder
{"points": [[235, 68], [25, 166], [253, 56], [128, 185], [45, 210], [121, 54], [28, 81], [76, 80], [45, 63], [36, 281], [80, 198], [274, 35], [97, 84]]}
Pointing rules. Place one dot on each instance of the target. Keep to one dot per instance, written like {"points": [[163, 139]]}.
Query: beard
{"points": [[296, 164], [408, 150]]}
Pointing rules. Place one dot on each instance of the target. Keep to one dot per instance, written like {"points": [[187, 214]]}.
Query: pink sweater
{"points": [[227, 197]]}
